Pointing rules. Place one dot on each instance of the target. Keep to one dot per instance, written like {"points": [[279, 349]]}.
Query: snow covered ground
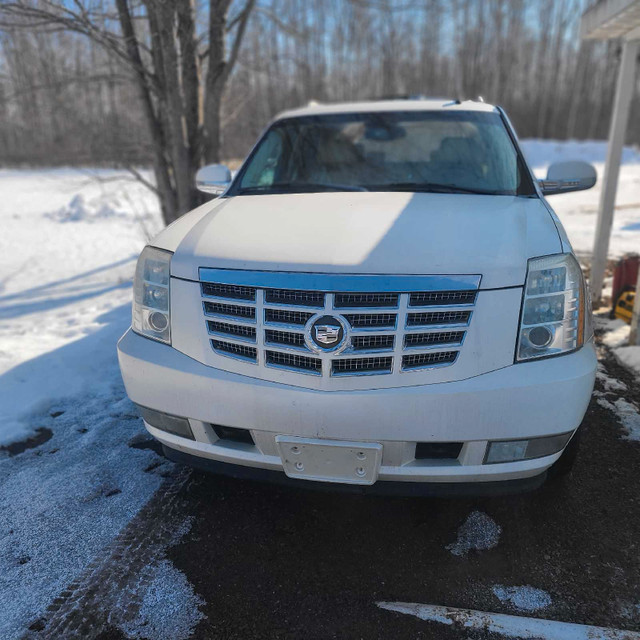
{"points": [[67, 254], [578, 211]]}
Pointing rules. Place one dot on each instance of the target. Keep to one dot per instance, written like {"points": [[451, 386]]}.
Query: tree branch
{"points": [[243, 20]]}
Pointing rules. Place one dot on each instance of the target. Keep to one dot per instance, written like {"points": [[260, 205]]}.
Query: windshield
{"points": [[432, 151]]}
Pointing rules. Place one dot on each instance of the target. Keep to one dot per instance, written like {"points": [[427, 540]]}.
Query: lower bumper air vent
{"points": [[233, 434], [438, 450]]}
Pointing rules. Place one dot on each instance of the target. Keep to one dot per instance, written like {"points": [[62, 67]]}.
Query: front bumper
{"points": [[521, 401]]}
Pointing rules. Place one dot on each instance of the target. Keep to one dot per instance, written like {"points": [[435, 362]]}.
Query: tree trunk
{"points": [[216, 79], [166, 191]]}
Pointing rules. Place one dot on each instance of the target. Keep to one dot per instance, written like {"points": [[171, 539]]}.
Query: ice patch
{"points": [[629, 357], [628, 415], [609, 383], [523, 598], [479, 532], [170, 608]]}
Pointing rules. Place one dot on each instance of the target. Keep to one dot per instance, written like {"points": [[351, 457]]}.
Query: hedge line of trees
{"points": [[71, 92]]}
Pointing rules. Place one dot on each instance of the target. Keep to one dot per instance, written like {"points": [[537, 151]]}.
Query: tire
{"points": [[564, 465]]}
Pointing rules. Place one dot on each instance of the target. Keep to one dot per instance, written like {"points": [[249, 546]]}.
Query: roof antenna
{"points": [[480, 99]]}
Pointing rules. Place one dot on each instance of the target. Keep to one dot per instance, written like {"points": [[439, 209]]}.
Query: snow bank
{"points": [[59, 282], [616, 332]]}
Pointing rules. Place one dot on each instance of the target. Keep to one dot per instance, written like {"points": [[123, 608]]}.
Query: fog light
{"points": [[540, 337], [514, 450], [166, 422], [158, 321]]}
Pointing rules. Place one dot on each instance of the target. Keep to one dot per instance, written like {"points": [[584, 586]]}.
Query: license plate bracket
{"points": [[330, 460]]}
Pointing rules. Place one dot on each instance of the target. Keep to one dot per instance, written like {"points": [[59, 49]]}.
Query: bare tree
{"points": [[140, 82], [180, 80]]}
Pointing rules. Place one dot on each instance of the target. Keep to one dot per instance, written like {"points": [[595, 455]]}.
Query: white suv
{"points": [[381, 295]]}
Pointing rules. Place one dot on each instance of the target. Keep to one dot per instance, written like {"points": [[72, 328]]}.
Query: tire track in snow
{"points": [[111, 590]]}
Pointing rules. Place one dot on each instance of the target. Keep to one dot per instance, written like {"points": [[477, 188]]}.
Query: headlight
{"points": [[553, 308], [151, 317]]}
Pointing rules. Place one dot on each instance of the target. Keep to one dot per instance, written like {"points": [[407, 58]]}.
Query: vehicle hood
{"points": [[372, 233]]}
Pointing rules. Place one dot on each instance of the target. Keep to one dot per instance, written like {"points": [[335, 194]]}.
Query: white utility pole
{"points": [[624, 93]]}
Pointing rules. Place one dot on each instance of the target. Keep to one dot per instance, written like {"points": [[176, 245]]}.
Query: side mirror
{"points": [[213, 178], [563, 177]]}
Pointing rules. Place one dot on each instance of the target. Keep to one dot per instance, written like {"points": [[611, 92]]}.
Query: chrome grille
{"points": [[346, 300], [237, 350], [233, 291], [428, 339], [294, 361], [284, 316], [438, 317], [372, 342], [238, 330], [420, 360], [273, 336], [387, 332], [429, 298], [302, 298], [231, 310], [361, 365], [380, 320]]}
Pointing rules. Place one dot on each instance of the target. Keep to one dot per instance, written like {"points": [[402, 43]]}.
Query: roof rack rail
{"points": [[407, 96]]}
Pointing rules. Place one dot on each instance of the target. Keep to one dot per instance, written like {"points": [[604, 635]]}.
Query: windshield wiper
{"points": [[434, 187], [299, 187]]}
